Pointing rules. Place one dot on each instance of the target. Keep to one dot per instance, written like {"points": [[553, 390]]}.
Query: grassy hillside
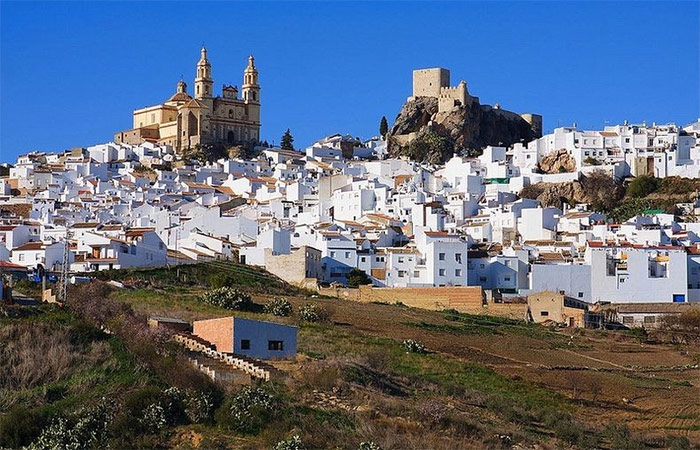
{"points": [[482, 382]]}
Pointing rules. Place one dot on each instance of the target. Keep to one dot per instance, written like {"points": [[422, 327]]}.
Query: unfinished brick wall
{"points": [[217, 331]]}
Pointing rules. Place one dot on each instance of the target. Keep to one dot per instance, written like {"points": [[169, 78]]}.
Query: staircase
{"points": [[217, 364]]}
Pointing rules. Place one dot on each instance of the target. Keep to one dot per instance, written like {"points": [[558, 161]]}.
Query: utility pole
{"points": [[63, 282]]}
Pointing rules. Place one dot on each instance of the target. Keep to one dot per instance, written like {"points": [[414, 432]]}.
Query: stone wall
{"points": [[427, 82], [296, 267], [466, 299]]}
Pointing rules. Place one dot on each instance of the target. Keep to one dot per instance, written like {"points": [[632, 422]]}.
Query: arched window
{"points": [[230, 114], [253, 96]]}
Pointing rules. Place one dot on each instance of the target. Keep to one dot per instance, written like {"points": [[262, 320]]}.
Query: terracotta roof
{"points": [[85, 225], [29, 246], [9, 265]]}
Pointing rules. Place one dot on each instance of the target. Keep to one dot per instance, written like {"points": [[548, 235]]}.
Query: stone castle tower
{"points": [[184, 121]]}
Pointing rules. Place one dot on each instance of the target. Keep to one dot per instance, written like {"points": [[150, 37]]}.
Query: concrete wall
{"points": [[259, 334]]}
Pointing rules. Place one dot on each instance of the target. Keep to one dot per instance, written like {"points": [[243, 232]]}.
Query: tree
{"points": [[357, 277], [287, 141], [383, 127], [642, 186]]}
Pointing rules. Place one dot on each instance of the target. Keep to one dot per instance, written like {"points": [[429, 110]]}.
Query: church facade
{"points": [[184, 121]]}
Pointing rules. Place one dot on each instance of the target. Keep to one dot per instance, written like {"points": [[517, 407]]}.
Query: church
{"points": [[184, 121]]}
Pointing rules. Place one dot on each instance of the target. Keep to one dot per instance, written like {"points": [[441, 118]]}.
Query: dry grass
{"points": [[35, 354]]}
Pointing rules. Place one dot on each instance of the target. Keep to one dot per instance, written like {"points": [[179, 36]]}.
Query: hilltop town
{"points": [[342, 205], [389, 289]]}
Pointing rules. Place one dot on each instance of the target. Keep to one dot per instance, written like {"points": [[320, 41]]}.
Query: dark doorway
{"points": [[229, 137]]}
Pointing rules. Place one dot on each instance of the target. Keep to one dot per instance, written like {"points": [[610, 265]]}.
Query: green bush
{"points": [[368, 446], [227, 298], [413, 346], [620, 438], [358, 277], [642, 186], [312, 313], [20, 426], [278, 307], [290, 444], [88, 428], [248, 411], [219, 280]]}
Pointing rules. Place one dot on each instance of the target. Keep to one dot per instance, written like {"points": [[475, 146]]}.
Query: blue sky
{"points": [[71, 73]]}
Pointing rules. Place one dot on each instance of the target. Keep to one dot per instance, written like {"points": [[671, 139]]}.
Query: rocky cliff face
{"points": [[468, 128], [558, 162]]}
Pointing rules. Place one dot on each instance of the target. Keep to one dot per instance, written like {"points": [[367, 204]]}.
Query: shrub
{"points": [[199, 407], [358, 277], [368, 446], [227, 298], [278, 307], [219, 280], [20, 426], [312, 313], [291, 444], [642, 186], [621, 438], [153, 418], [86, 429], [413, 346], [248, 411]]}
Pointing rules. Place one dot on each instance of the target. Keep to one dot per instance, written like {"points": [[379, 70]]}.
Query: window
{"points": [[544, 313], [649, 319], [442, 272], [627, 320], [332, 254], [458, 257], [362, 259], [441, 256], [416, 274], [401, 273], [580, 295], [245, 344], [400, 259], [347, 254], [275, 345], [506, 279], [508, 263], [458, 272], [482, 279]]}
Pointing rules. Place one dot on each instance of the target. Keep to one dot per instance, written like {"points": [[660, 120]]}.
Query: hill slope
{"points": [[484, 382]]}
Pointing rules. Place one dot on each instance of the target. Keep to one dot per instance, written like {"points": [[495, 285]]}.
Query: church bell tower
{"points": [[203, 83]]}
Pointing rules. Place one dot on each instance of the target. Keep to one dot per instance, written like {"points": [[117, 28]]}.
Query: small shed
{"points": [[252, 338], [168, 322]]}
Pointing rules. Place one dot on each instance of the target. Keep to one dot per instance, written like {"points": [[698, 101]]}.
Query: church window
{"points": [[230, 114], [197, 89]]}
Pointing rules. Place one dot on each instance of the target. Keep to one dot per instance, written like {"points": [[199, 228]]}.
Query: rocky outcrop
{"points": [[414, 116], [558, 162], [597, 188], [468, 128]]}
